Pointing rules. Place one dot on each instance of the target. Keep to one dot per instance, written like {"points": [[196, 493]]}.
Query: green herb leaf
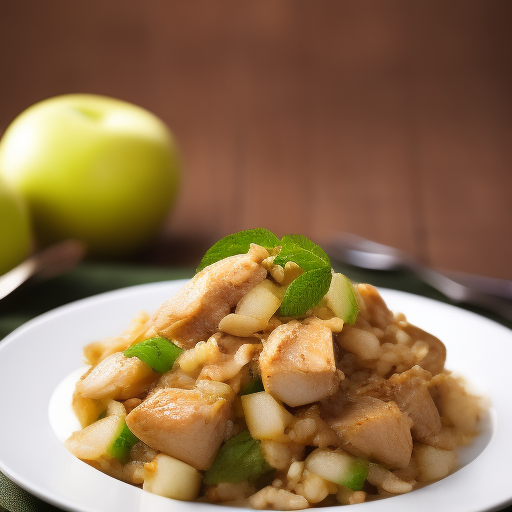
{"points": [[304, 252], [158, 353], [238, 243], [239, 459], [308, 289], [307, 244], [124, 442], [305, 292]]}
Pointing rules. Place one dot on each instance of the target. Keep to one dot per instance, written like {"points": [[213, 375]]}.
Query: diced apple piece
{"points": [[433, 463], [340, 299], [262, 301], [265, 416], [122, 445], [254, 310], [94, 441], [241, 325], [338, 467], [171, 478]]}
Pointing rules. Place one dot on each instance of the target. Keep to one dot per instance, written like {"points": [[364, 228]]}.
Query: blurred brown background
{"points": [[388, 119]]}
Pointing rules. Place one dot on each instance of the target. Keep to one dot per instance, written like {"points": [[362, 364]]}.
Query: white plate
{"points": [[38, 356]]}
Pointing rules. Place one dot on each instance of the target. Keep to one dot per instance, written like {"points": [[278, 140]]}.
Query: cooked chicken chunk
{"points": [[411, 395], [117, 377], [194, 313], [297, 363], [187, 424], [409, 391], [372, 429], [436, 355]]}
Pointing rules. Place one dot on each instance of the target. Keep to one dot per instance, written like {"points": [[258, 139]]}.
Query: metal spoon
{"points": [[488, 293], [53, 261]]}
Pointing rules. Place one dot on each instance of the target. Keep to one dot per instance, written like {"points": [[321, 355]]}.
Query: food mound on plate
{"points": [[272, 382]]}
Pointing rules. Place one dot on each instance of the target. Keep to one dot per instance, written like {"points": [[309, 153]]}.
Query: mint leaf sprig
{"points": [[238, 243], [305, 291], [308, 289], [303, 251]]}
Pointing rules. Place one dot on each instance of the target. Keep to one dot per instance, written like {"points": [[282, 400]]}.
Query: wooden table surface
{"points": [[391, 120]]}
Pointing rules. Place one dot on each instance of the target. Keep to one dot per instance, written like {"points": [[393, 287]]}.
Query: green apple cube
{"points": [[94, 442], [171, 478], [339, 467], [340, 299], [266, 418], [104, 437], [125, 441], [262, 301]]}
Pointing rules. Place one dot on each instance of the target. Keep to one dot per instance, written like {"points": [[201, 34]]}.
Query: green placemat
{"points": [[90, 279], [15, 499]]}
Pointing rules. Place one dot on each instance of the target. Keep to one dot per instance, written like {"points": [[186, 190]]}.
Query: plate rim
{"points": [[61, 502]]}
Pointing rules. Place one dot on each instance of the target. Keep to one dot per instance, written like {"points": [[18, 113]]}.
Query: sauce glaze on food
{"points": [[219, 396]]}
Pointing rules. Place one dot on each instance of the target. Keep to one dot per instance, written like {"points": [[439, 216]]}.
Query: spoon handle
{"points": [[463, 293], [491, 285], [489, 293], [53, 261]]}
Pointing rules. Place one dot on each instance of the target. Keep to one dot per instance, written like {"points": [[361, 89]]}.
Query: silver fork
{"points": [[489, 293], [50, 262]]}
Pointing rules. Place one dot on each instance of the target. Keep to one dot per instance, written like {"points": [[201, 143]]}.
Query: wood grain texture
{"points": [[392, 120], [464, 134]]}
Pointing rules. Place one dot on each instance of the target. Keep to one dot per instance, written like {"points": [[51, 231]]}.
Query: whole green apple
{"points": [[15, 229], [93, 168]]}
